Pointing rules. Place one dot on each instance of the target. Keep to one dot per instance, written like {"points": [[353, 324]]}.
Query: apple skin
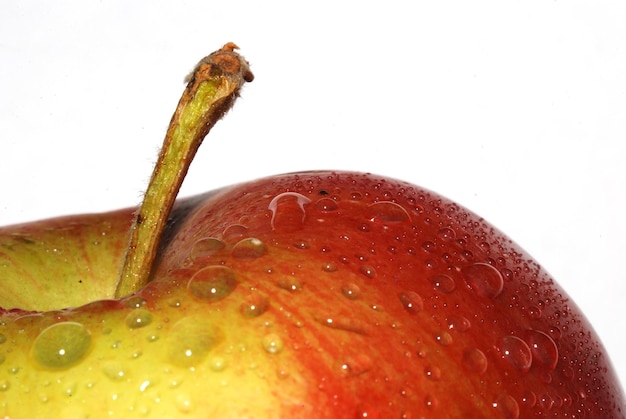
{"points": [[317, 294]]}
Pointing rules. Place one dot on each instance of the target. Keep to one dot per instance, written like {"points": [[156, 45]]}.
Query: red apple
{"points": [[317, 294]]}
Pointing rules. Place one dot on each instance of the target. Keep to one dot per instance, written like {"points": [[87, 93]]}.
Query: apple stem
{"points": [[211, 91]]}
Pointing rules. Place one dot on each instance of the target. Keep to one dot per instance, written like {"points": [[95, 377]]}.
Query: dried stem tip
{"points": [[211, 90]]}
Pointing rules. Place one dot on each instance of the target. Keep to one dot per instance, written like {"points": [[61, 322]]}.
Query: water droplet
{"points": [[516, 352], [289, 283], [443, 283], [433, 373], [344, 323], [329, 267], [458, 323], [444, 338], [529, 399], [114, 371], [254, 305], [506, 406], [272, 343], [206, 247], [483, 279], [356, 196], [411, 301], [475, 361], [288, 210], [356, 365], [431, 402], [368, 271], [217, 363], [326, 205], [388, 212], [249, 248], [543, 348], [61, 345], [212, 283], [134, 302], [190, 340], [447, 233], [301, 244], [137, 318], [351, 291], [234, 232], [429, 246], [5, 385]]}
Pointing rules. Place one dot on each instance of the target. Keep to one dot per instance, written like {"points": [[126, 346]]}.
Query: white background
{"points": [[516, 110]]}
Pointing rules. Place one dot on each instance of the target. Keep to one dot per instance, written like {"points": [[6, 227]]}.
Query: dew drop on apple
{"points": [[543, 348], [212, 283], [190, 340], [458, 323], [5, 385], [206, 247], [254, 305], [61, 345], [217, 363], [351, 291], [516, 352], [137, 318], [368, 271], [329, 267], [134, 301], [326, 205], [234, 232], [388, 212], [288, 210], [432, 373], [444, 338], [272, 343], [443, 283], [483, 279], [114, 371], [250, 248], [411, 301], [289, 283], [506, 406], [475, 361]]}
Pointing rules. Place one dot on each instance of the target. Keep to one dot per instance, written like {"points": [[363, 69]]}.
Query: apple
{"points": [[317, 294]]}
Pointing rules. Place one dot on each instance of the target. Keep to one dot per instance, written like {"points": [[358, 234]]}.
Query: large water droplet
{"points": [[483, 279], [234, 232], [516, 352], [411, 301], [444, 338], [249, 248], [388, 212], [543, 348], [506, 406], [137, 318], [254, 305], [212, 283], [190, 340], [272, 343], [61, 345], [475, 361], [326, 205], [344, 323], [443, 283], [206, 247], [288, 210]]}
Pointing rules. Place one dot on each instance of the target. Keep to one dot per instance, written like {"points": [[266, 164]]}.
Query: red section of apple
{"points": [[398, 302]]}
